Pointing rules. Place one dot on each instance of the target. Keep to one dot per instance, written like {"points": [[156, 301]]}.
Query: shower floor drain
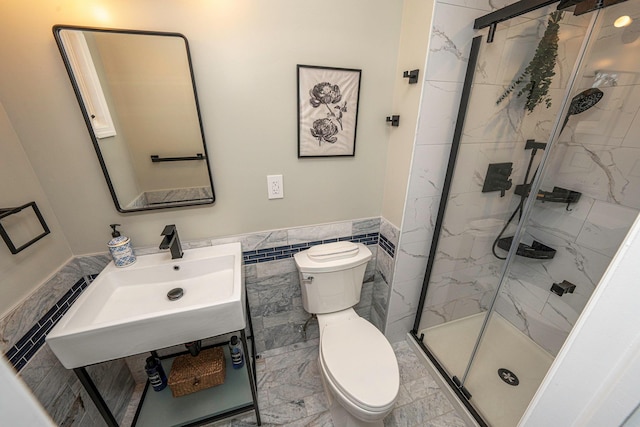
{"points": [[508, 377]]}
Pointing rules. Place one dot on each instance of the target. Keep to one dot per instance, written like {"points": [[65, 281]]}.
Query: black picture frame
{"points": [[328, 100]]}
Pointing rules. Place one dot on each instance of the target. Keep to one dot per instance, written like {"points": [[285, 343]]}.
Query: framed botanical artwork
{"points": [[327, 111]]}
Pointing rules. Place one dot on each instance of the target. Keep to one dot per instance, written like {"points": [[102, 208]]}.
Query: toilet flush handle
{"points": [[307, 279]]}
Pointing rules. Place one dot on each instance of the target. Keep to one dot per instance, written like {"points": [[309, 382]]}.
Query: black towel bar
{"points": [[155, 158], [5, 212]]}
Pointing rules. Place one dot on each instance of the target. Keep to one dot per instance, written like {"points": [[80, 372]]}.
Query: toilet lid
{"points": [[361, 363]]}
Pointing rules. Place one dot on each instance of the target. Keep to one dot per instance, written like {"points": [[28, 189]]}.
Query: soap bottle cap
{"points": [[115, 232], [234, 340], [151, 362]]}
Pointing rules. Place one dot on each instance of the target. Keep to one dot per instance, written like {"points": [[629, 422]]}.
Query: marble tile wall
{"points": [[596, 155], [449, 48], [383, 278], [273, 291]]}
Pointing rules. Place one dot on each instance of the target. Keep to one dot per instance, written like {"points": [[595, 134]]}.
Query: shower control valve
{"points": [[497, 178]]}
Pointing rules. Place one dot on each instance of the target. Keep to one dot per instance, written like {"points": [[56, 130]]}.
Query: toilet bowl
{"points": [[358, 367], [359, 370]]}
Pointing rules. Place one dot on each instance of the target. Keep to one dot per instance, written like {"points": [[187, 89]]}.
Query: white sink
{"points": [[126, 311]]}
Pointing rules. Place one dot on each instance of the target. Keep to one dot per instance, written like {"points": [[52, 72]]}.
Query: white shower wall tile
{"points": [[501, 61], [433, 315], [402, 310], [419, 219], [604, 173], [540, 329], [428, 170], [450, 42], [524, 285], [560, 219], [459, 284], [606, 227], [488, 122], [581, 266], [466, 306], [560, 313], [436, 125], [454, 253], [481, 252], [631, 138], [473, 304], [476, 211], [411, 262]]}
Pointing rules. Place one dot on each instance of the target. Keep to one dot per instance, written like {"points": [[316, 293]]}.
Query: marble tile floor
{"points": [[290, 392]]}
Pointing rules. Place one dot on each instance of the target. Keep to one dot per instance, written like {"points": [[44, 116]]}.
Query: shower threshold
{"points": [[504, 347]]}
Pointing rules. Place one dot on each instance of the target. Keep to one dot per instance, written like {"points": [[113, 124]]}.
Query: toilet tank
{"points": [[331, 275]]}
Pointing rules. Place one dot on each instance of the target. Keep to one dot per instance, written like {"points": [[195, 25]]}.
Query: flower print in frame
{"points": [[327, 111]]}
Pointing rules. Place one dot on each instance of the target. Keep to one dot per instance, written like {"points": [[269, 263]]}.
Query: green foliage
{"points": [[539, 73]]}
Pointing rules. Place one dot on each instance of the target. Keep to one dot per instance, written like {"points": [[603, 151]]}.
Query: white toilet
{"points": [[358, 366]]}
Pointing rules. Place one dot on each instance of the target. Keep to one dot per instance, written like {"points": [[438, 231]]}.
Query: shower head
{"points": [[582, 102], [585, 100]]}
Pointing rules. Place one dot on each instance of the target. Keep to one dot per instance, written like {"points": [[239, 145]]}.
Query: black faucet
{"points": [[171, 241]]}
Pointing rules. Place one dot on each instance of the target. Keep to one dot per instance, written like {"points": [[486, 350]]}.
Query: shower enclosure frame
{"points": [[453, 155], [490, 20]]}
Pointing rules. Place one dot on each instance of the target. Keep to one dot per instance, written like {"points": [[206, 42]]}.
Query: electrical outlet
{"points": [[275, 188]]}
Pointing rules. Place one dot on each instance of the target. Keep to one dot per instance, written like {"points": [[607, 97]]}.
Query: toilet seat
{"points": [[360, 363]]}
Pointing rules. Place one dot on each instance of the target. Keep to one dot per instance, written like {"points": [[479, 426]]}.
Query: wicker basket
{"points": [[190, 374]]}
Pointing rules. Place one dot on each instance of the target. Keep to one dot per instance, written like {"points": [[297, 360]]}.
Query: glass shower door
{"points": [[588, 197], [500, 149]]}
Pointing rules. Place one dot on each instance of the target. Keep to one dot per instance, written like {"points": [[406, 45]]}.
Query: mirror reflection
{"points": [[138, 98]]}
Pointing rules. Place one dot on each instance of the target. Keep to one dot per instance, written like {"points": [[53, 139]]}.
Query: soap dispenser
{"points": [[120, 248]]}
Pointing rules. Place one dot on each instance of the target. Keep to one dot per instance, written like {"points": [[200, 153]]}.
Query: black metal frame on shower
{"points": [[489, 20], [455, 147]]}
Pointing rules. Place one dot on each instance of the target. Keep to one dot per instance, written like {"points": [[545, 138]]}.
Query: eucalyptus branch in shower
{"points": [[539, 73]]}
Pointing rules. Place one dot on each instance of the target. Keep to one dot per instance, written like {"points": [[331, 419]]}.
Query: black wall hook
{"points": [[412, 76], [394, 120]]}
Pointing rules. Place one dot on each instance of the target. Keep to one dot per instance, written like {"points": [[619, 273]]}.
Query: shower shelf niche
{"points": [[537, 250]]}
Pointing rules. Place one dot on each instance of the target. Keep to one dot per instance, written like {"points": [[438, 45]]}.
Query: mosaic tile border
{"points": [[388, 247], [31, 342], [287, 251]]}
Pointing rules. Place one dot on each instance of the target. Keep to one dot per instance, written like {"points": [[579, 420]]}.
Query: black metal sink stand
{"points": [[250, 358]]}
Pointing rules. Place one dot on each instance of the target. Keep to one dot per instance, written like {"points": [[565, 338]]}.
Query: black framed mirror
{"points": [[138, 97]]}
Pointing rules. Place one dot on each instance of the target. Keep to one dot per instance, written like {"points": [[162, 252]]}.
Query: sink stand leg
{"points": [[97, 399], [252, 382]]}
